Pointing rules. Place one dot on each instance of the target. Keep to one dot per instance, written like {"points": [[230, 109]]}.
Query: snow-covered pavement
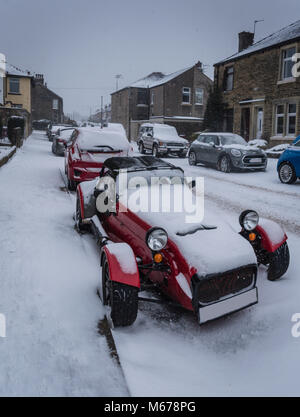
{"points": [[48, 281]]}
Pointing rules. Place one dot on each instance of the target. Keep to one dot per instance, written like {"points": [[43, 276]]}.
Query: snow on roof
{"points": [[283, 35], [156, 78], [12, 70]]}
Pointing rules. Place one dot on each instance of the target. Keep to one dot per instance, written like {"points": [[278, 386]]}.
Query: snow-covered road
{"points": [[48, 281]]}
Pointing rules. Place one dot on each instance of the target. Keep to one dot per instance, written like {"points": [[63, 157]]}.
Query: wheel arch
{"points": [[117, 254]]}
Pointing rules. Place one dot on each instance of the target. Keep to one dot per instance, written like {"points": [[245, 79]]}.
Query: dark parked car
{"points": [[226, 151]]}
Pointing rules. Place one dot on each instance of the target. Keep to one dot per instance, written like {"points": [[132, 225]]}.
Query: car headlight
{"points": [[249, 220], [236, 152], [156, 238]]}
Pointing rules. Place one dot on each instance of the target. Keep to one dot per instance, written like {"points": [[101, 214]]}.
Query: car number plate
{"points": [[256, 160]]}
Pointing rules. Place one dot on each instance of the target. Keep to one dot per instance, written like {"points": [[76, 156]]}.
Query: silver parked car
{"points": [[161, 140], [226, 151], [60, 139]]}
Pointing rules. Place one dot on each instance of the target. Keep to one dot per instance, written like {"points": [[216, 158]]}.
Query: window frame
{"points": [[17, 80], [285, 60], [183, 93], [288, 115], [197, 103], [277, 116], [55, 100], [226, 76]]}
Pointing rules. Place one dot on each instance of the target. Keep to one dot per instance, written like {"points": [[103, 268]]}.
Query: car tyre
{"points": [[224, 164], [122, 299], [141, 148], [78, 219], [71, 185], [192, 158], [279, 262], [287, 173], [155, 151]]}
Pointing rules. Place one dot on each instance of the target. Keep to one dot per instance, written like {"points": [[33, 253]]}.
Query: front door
{"points": [[259, 125], [245, 123]]}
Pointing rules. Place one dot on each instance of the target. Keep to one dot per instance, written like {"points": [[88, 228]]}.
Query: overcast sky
{"points": [[81, 45]]}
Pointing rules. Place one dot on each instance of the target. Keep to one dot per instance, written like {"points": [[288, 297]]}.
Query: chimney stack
{"points": [[39, 78], [245, 40]]}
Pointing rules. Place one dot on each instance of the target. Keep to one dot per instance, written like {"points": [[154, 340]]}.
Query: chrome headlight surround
{"points": [[236, 152], [249, 219], [156, 238]]}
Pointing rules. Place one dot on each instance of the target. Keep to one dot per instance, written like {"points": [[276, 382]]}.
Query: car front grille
{"points": [[175, 145], [247, 160], [212, 289]]}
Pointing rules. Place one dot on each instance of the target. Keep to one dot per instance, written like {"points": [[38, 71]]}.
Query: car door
{"points": [[213, 143], [199, 148]]}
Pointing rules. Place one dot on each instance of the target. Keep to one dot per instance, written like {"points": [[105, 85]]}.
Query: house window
{"points": [[287, 63], [142, 97], [280, 119], [14, 85], [186, 95], [291, 120], [228, 79], [199, 96], [55, 104]]}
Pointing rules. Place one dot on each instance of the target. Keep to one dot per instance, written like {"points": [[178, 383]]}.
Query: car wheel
{"points": [[121, 298], [225, 164], [78, 219], [155, 151], [279, 263], [286, 173], [192, 158], [141, 148]]}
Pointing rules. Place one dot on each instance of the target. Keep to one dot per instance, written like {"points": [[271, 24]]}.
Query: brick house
{"points": [[45, 103], [261, 95], [178, 99], [15, 99]]}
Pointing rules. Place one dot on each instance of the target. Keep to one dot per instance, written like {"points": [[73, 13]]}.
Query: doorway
{"points": [[245, 123], [259, 123]]}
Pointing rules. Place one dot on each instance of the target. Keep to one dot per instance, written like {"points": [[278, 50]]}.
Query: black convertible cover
{"points": [[137, 163]]}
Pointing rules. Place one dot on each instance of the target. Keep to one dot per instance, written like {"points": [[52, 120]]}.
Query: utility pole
{"points": [[101, 112]]}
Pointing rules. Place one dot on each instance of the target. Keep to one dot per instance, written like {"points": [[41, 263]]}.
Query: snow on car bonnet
{"points": [[90, 139]]}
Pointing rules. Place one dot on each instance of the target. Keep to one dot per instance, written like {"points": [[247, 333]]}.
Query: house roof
{"points": [[154, 80], [13, 70], [286, 34]]}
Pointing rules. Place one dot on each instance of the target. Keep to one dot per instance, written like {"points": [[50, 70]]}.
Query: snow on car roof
{"points": [[137, 162], [283, 35], [90, 138]]}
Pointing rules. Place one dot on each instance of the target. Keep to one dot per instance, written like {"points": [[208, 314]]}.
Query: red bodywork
{"points": [[130, 228], [85, 166], [115, 268], [267, 243]]}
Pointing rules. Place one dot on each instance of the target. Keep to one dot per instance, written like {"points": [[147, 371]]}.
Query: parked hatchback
{"points": [[226, 151], [289, 164], [161, 140]]}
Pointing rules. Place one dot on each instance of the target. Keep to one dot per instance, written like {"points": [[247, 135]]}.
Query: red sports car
{"points": [[206, 267], [89, 148]]}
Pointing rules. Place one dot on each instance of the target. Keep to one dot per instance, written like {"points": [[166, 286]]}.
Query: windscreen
{"points": [[233, 140]]}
